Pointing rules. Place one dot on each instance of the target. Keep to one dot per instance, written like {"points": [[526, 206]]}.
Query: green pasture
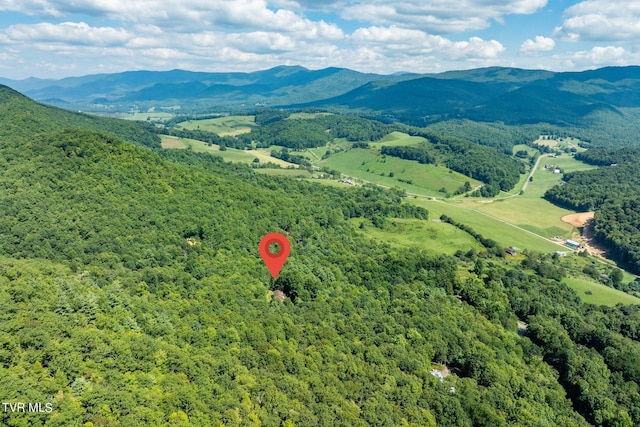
{"points": [[228, 125], [491, 227], [429, 235], [600, 294], [397, 139], [532, 151], [229, 155], [530, 210], [427, 180]]}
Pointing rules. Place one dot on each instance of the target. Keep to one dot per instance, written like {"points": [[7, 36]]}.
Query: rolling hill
{"points": [[222, 90], [132, 294]]}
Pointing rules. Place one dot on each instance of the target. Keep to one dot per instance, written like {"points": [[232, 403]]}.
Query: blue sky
{"points": [[59, 38]]}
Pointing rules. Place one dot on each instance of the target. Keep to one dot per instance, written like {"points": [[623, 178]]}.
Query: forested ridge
{"points": [[612, 191], [132, 294], [23, 117]]}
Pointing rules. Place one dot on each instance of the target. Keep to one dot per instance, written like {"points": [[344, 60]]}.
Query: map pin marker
{"points": [[274, 261]]}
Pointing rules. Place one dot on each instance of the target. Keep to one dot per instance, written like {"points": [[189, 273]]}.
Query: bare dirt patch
{"points": [[590, 242], [578, 219]]}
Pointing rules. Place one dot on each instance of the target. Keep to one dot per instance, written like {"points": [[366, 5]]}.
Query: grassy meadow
{"points": [[429, 235], [529, 210], [229, 155], [369, 166], [505, 233], [398, 139], [228, 125], [598, 293]]}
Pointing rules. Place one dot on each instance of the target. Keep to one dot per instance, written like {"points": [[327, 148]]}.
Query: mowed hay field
{"points": [[228, 125], [598, 293], [494, 228], [429, 235], [530, 210], [427, 180]]}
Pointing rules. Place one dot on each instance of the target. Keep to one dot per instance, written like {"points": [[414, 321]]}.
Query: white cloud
{"points": [[540, 44], [392, 40], [600, 55], [601, 20], [439, 15], [68, 32], [183, 15]]}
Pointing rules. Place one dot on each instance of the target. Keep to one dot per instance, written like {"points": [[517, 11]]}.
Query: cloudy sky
{"points": [[59, 38]]}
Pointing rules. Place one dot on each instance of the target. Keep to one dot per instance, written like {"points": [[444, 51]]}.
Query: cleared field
{"points": [[427, 180], [494, 228], [600, 294], [265, 156], [228, 125], [530, 150], [428, 235], [529, 210], [172, 142], [229, 155], [152, 116], [397, 139]]}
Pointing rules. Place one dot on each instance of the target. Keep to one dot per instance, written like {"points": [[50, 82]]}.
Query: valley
{"points": [[423, 236]]}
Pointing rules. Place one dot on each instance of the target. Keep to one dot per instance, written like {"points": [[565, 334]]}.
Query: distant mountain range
{"points": [[509, 95]]}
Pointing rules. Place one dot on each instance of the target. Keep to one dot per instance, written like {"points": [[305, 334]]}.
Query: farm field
{"points": [[427, 235], [600, 294], [397, 139], [223, 126], [427, 180], [529, 210], [229, 155], [499, 230], [154, 116]]}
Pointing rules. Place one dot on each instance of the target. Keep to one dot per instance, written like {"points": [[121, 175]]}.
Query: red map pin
{"points": [[274, 261]]}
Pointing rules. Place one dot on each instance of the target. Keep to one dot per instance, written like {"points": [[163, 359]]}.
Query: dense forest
{"points": [[133, 295], [612, 191]]}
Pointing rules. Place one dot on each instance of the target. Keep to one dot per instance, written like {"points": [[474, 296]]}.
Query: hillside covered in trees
{"points": [[133, 295]]}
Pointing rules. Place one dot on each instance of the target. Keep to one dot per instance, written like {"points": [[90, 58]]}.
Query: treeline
{"points": [[498, 171], [490, 244], [609, 156], [588, 190], [420, 153], [500, 136], [315, 132], [205, 136], [283, 154], [612, 192], [22, 117], [617, 226]]}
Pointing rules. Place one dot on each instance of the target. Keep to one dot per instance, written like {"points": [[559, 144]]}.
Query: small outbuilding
{"points": [[572, 244]]}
